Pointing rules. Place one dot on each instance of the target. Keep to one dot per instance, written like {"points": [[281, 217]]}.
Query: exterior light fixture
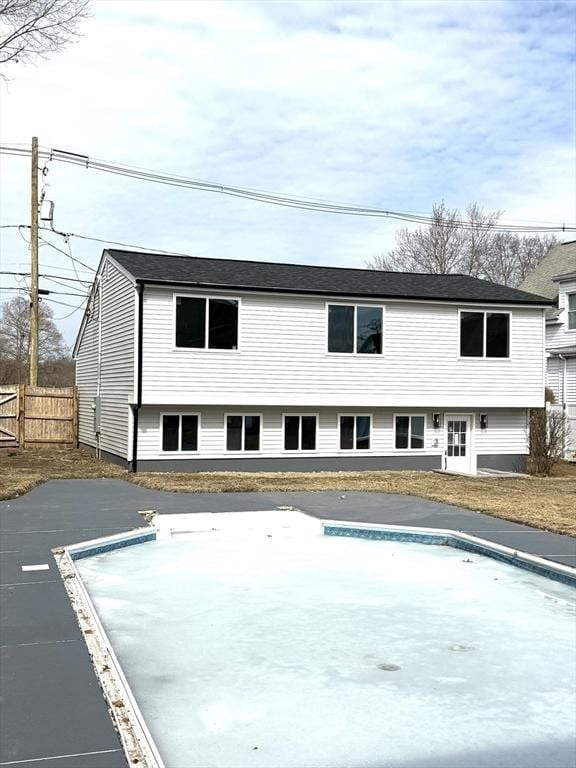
{"points": [[483, 421], [436, 420]]}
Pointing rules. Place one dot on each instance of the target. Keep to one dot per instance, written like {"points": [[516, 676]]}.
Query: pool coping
{"points": [[136, 739], [137, 742], [465, 541]]}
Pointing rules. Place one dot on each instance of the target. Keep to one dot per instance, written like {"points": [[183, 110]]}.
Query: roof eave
{"points": [[539, 302]]}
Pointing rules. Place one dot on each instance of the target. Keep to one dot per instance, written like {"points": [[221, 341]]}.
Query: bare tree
{"points": [[437, 248], [465, 243], [56, 366], [547, 439], [31, 29]]}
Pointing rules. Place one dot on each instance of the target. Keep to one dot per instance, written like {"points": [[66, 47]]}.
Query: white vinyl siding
{"points": [[283, 360], [554, 375], [87, 376], [117, 304], [506, 433], [117, 373]]}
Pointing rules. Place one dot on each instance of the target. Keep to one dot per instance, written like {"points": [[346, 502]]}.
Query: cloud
{"points": [[396, 104]]}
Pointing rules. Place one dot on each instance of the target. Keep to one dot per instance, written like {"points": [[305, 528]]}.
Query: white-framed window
{"points": [[206, 322], [243, 431], [355, 431], [571, 311], [355, 329], [179, 432], [484, 333], [409, 431], [300, 432]]}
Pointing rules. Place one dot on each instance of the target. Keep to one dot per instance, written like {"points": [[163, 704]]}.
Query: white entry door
{"points": [[458, 451]]}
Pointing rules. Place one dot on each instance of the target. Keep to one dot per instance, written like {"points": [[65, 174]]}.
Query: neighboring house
{"points": [[207, 364], [555, 277]]}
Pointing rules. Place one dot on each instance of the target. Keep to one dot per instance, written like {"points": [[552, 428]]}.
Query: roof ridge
{"points": [[306, 266]]}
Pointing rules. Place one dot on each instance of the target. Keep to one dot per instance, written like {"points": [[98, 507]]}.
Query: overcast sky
{"points": [[392, 104]]}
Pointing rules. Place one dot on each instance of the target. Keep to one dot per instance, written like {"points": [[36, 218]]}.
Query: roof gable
{"points": [[560, 259]]}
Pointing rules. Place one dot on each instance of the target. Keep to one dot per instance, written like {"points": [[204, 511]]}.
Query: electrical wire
{"points": [[73, 259], [301, 203], [42, 274]]}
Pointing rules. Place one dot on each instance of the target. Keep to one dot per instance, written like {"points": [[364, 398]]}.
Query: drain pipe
{"points": [[138, 374], [564, 399]]}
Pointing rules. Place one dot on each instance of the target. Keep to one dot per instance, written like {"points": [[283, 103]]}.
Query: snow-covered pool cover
{"points": [[276, 646]]}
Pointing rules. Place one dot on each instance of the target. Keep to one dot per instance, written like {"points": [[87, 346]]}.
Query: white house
{"points": [[205, 364], [555, 278]]}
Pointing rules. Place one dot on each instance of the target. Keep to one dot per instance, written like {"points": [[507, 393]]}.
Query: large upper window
{"points": [[243, 433], [355, 329], [299, 433], [572, 311], [409, 432], [485, 334], [179, 432], [355, 433], [206, 323]]}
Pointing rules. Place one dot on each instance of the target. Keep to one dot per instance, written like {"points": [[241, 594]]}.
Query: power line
{"points": [[55, 293], [43, 274], [302, 203]]}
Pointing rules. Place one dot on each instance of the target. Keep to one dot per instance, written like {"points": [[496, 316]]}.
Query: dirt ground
{"points": [[548, 503]]}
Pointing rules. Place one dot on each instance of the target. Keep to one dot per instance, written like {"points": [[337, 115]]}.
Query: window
{"points": [[243, 433], [179, 432], [355, 433], [299, 433], [355, 329], [206, 323], [410, 432], [572, 311], [484, 334]]}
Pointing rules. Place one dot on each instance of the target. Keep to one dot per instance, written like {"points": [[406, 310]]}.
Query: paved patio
{"points": [[53, 714]]}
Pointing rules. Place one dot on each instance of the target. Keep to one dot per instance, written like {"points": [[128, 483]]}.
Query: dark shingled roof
{"points": [[328, 281]]}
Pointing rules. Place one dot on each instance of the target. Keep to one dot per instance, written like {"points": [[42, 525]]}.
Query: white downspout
{"points": [[564, 391]]}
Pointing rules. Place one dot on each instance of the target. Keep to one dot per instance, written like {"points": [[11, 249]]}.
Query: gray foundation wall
{"points": [[291, 464], [505, 462], [106, 455]]}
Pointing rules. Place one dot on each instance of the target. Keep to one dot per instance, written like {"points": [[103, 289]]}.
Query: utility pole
{"points": [[34, 320]]}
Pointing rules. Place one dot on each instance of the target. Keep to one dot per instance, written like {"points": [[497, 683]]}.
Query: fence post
{"points": [[75, 416], [21, 417]]}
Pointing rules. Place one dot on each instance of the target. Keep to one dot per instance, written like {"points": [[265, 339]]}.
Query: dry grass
{"points": [[547, 503], [22, 470]]}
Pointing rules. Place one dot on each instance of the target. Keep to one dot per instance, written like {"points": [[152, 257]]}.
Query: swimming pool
{"points": [[256, 640]]}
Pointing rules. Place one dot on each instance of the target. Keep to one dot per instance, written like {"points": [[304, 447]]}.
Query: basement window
{"points": [[243, 432], [355, 433], [299, 433], [206, 323], [484, 334], [409, 432], [179, 432]]}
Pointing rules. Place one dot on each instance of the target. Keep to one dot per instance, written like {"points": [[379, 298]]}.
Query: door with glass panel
{"points": [[458, 450]]}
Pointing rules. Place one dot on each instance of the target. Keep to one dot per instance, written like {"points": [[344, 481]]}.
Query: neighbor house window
{"points": [[299, 433], [409, 432], [572, 311], [355, 433], [243, 433], [485, 334], [206, 323], [355, 329], [179, 432]]}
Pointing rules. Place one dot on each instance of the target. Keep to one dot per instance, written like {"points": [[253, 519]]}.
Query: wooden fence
{"points": [[38, 417]]}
